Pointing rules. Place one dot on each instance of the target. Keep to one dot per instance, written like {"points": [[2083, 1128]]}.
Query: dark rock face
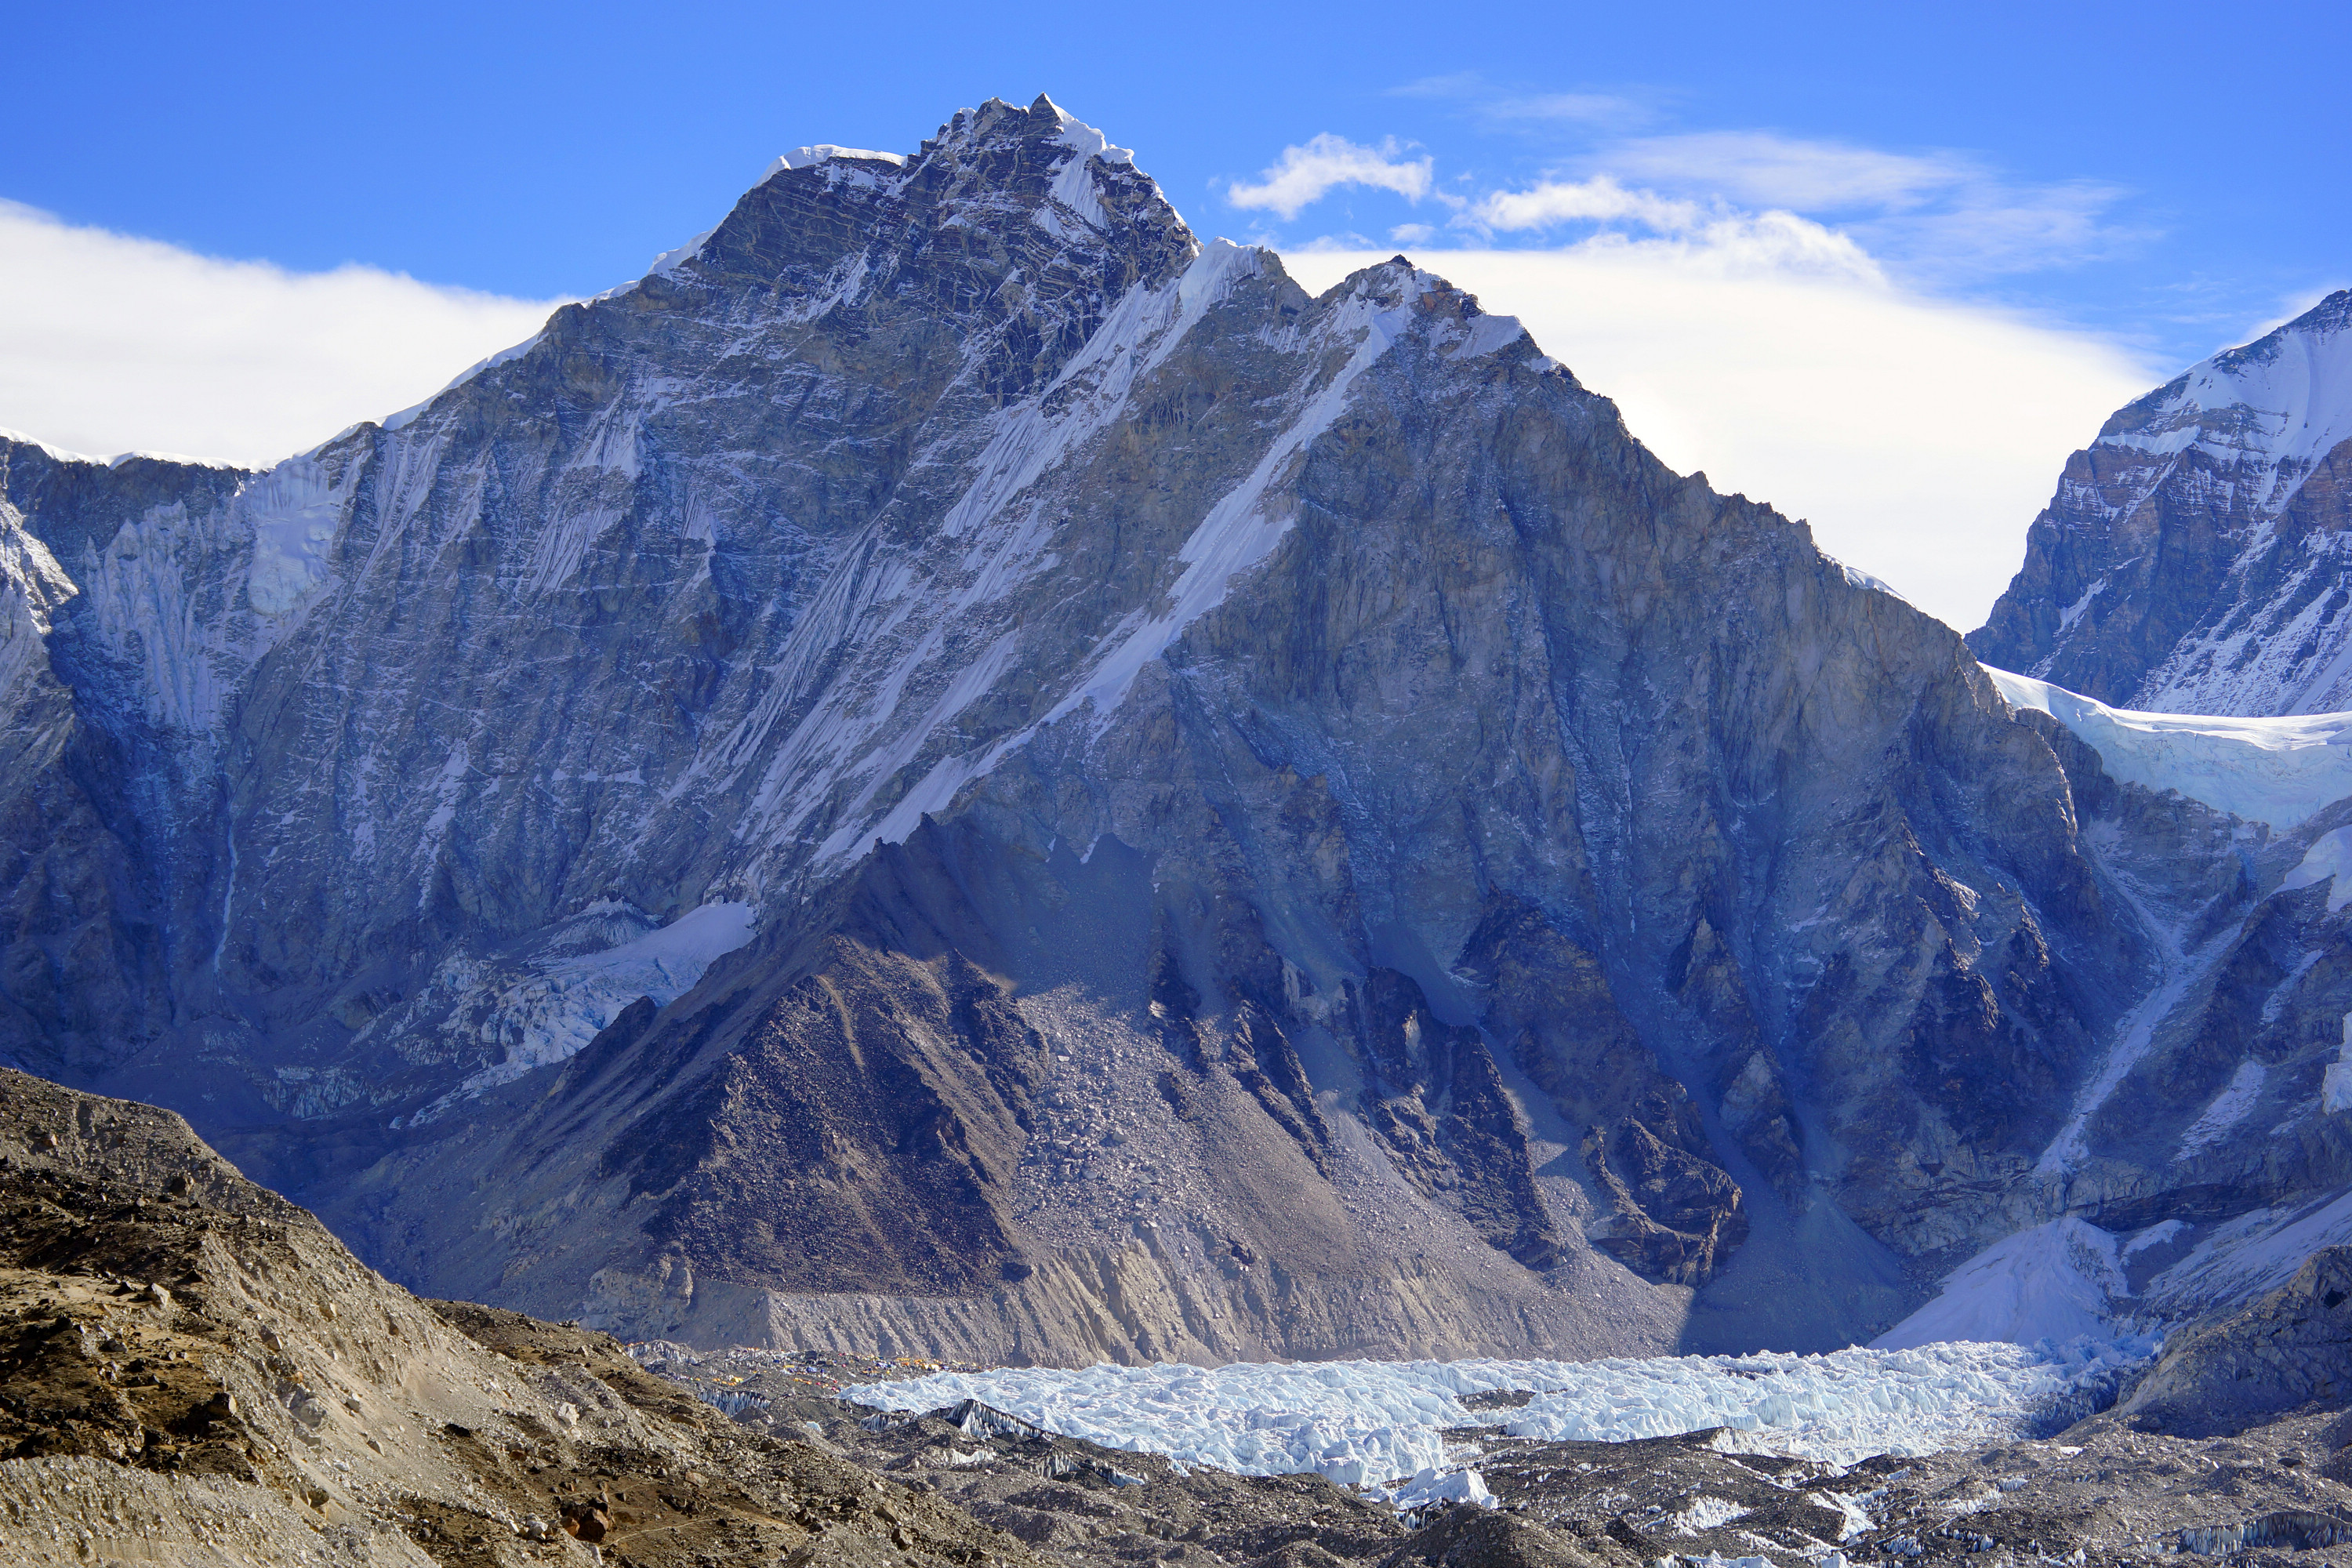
{"points": [[1676, 1213], [956, 769], [2290, 1349], [2194, 558]]}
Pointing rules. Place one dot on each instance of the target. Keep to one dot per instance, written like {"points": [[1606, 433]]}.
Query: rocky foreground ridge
{"points": [[193, 1372], [958, 769]]}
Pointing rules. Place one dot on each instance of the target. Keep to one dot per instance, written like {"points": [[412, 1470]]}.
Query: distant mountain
{"points": [[2198, 557], [957, 768]]}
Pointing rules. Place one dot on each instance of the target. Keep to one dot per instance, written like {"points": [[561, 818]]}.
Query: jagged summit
{"points": [[2194, 558], [1034, 198], [983, 167]]}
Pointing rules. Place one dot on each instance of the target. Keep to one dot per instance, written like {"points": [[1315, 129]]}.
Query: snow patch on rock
{"points": [[296, 510], [2245, 1257], [114, 461], [554, 1014], [2283, 402], [826, 153], [32, 586], [1240, 531], [408, 415], [2226, 1110], [2329, 860]]}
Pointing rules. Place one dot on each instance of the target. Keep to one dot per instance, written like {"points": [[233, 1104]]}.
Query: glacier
{"points": [[2277, 771], [1366, 1422]]}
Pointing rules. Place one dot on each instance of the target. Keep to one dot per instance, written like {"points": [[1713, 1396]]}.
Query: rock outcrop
{"points": [[2290, 1349]]}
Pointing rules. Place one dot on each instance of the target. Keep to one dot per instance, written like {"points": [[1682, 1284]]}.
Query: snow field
{"points": [[1367, 1423], [2052, 1282], [2277, 771]]}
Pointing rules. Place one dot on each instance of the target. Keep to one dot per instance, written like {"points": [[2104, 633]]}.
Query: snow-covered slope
{"points": [[2056, 1282], [2272, 409], [2070, 1283], [2195, 559], [2280, 771]]}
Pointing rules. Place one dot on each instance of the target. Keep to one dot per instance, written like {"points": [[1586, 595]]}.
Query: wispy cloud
{"points": [[1769, 170], [1712, 234], [1598, 200], [1995, 231], [1303, 175], [1944, 217], [1940, 215], [1499, 105], [109, 342]]}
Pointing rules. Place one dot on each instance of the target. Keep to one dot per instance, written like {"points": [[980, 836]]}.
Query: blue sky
{"points": [[2138, 185], [2167, 172]]}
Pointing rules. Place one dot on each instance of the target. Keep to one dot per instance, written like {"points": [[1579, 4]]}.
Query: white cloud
{"points": [[1986, 232], [1942, 216], [109, 344], [1305, 175], [1710, 236], [1919, 437], [1598, 200], [1769, 170]]}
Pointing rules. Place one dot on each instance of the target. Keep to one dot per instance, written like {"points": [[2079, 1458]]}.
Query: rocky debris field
{"points": [[734, 1379], [2104, 1492], [193, 1372]]}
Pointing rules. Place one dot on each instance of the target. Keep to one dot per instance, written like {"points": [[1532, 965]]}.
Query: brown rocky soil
{"points": [[193, 1372]]}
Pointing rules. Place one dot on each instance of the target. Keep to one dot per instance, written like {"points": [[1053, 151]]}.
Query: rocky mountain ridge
{"points": [[957, 770], [2192, 559]]}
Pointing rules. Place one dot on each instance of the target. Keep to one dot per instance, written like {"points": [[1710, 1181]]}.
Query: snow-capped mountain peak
{"points": [[2272, 409], [2198, 557]]}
